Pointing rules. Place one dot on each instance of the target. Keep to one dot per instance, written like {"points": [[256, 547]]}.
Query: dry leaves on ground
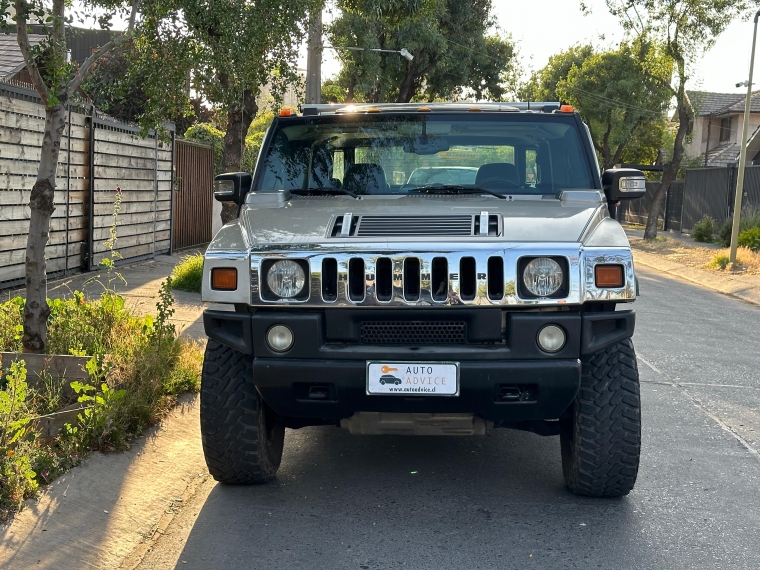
{"points": [[748, 262]]}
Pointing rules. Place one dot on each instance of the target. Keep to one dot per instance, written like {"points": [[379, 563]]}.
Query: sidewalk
{"points": [[744, 287]]}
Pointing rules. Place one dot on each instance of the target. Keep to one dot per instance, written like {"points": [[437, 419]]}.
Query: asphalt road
{"points": [[349, 502]]}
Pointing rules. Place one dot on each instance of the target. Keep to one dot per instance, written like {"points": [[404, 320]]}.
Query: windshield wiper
{"points": [[456, 189], [324, 190]]}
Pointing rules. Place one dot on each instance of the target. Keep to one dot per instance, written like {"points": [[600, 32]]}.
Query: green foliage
{"points": [[187, 275], [720, 262], [703, 230], [724, 237], [750, 218], [542, 85], [750, 238], [138, 367], [614, 93], [11, 324], [457, 50], [208, 134], [331, 89]]}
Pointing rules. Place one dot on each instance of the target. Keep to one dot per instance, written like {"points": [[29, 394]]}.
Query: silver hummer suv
{"points": [[358, 298]]}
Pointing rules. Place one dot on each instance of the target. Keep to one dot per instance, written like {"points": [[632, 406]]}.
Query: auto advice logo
{"points": [[412, 375]]}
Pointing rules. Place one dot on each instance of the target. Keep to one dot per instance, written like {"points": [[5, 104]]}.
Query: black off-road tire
{"points": [[601, 434], [242, 437]]}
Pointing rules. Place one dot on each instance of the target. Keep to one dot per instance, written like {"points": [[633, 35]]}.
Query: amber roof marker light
{"points": [[567, 109]]}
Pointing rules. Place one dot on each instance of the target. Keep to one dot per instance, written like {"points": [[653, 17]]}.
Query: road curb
{"points": [[744, 287]]}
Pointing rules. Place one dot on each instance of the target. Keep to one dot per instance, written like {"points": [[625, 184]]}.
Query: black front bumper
{"points": [[504, 375]]}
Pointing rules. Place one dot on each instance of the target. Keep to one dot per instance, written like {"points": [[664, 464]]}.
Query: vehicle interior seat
{"points": [[365, 179], [494, 174]]}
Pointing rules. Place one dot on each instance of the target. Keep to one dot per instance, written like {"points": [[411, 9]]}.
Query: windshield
{"points": [[406, 154]]}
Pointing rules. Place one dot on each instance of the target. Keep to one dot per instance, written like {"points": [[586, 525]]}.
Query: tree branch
{"points": [[23, 44], [82, 72]]}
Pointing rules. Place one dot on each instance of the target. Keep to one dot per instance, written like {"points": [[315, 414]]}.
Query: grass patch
{"points": [[747, 261], [139, 366], [188, 273]]}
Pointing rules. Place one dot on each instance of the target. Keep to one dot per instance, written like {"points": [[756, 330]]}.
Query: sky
{"points": [[542, 28]]}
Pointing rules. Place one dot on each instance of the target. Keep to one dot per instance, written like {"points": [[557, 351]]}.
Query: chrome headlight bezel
{"points": [[297, 268], [560, 293]]}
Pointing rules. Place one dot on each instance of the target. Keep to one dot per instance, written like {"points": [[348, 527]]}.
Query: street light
{"points": [[403, 51], [743, 152]]}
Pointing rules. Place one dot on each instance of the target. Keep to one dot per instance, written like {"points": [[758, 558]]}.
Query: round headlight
{"points": [[543, 277], [551, 338], [286, 278], [279, 338]]}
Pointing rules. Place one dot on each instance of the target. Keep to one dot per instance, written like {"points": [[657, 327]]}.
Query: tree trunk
{"points": [[406, 89], [239, 118], [36, 309], [670, 170]]}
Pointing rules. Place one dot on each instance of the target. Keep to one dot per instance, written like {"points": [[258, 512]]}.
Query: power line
{"points": [[613, 102]]}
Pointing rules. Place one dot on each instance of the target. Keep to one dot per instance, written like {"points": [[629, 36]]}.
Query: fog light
{"points": [[280, 338], [551, 338]]}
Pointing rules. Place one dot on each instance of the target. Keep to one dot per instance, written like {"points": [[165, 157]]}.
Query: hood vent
{"points": [[468, 225]]}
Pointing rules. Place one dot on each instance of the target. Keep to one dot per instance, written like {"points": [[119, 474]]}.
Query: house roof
{"points": [[11, 60], [727, 153], [707, 103]]}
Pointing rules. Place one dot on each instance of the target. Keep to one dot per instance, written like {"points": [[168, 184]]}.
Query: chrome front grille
{"points": [[420, 274], [461, 225]]}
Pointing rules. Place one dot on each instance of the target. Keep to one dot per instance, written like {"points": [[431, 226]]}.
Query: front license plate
{"points": [[413, 378]]}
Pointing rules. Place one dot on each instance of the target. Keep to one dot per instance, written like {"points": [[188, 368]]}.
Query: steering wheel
{"points": [[498, 180]]}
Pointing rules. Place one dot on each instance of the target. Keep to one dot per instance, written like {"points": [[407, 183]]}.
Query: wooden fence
{"points": [[97, 154]]}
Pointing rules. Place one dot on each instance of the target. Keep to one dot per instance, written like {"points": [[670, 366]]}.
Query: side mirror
{"points": [[232, 187], [623, 184]]}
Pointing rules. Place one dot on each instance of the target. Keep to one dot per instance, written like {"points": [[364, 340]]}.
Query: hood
{"points": [[307, 220]]}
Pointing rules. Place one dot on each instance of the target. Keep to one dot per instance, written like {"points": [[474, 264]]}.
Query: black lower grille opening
{"points": [[467, 280], [439, 279], [384, 279], [495, 278], [329, 279], [411, 279], [356, 282], [414, 332]]}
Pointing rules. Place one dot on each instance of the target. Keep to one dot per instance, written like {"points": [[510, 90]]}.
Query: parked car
{"points": [[443, 175], [497, 304]]}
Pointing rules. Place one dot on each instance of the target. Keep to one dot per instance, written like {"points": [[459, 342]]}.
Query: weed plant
{"points": [[188, 273]]}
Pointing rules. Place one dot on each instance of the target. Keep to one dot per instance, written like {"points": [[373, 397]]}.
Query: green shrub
{"points": [[724, 237], [188, 274], [139, 365], [703, 230], [11, 327], [750, 238], [720, 261]]}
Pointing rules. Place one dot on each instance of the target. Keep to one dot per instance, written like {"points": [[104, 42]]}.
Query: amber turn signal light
{"points": [[224, 278], [610, 276]]}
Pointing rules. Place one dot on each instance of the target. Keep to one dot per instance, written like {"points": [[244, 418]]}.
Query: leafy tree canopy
{"points": [[456, 49], [685, 29]]}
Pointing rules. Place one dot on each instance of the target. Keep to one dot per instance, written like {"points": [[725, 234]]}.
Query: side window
{"points": [[338, 165], [532, 169]]}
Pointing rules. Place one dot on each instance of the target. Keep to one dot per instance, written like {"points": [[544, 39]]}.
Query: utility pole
{"points": [[743, 152], [314, 59]]}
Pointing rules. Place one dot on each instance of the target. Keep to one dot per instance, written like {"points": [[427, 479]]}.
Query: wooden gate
{"points": [[193, 193]]}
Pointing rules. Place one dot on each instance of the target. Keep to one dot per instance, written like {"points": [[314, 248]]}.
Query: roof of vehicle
{"points": [[513, 107]]}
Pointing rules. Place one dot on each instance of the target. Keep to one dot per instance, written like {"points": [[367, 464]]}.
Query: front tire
{"points": [[601, 435], [242, 437]]}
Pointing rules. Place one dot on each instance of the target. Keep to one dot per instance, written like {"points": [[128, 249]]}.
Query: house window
{"points": [[725, 129]]}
